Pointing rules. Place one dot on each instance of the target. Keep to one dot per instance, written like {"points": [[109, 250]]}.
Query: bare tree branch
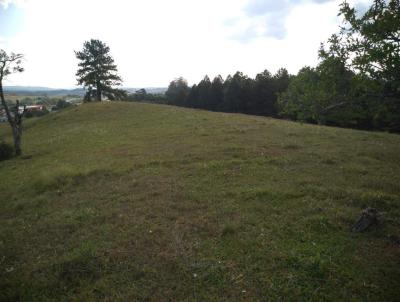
{"points": [[10, 64]]}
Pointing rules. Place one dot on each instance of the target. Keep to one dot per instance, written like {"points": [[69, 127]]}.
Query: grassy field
{"points": [[140, 202]]}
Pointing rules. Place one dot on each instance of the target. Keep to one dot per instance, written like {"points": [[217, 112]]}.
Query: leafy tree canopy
{"points": [[370, 43], [177, 91], [97, 71]]}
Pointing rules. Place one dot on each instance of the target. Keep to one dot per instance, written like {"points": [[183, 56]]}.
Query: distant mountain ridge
{"points": [[27, 88], [39, 90]]}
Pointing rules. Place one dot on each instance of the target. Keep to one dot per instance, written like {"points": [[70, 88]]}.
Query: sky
{"points": [[155, 41]]}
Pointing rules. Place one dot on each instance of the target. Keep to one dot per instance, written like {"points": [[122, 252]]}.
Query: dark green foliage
{"points": [[264, 94], [114, 94], [331, 94], [357, 81], [177, 92], [238, 93], [192, 98], [6, 151], [142, 95], [97, 72], [216, 94], [61, 104], [203, 93], [373, 40], [318, 94], [356, 84], [370, 45], [281, 80], [36, 113]]}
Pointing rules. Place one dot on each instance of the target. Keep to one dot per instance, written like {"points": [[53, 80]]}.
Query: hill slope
{"points": [[124, 202]]}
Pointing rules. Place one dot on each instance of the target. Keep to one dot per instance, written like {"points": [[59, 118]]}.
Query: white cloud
{"points": [[268, 17], [154, 41], [6, 3]]}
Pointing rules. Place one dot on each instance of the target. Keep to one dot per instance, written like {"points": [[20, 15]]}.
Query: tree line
{"points": [[356, 83], [237, 93]]}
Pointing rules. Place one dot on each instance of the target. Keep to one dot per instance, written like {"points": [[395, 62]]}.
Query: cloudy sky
{"points": [[155, 41]]}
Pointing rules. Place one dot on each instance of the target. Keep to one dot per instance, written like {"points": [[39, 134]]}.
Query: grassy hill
{"points": [[140, 202]]}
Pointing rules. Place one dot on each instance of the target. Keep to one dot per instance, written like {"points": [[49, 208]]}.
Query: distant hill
{"points": [[39, 91], [27, 88]]}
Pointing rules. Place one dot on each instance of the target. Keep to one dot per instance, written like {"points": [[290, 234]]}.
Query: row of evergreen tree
{"points": [[356, 84], [237, 93], [329, 94]]}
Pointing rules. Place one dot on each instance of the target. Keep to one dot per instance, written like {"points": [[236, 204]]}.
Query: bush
{"points": [[61, 104], [6, 151], [38, 113]]}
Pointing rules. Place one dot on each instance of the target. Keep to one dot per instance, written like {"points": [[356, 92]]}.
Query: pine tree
{"points": [[264, 94], [97, 71], [217, 93], [192, 98], [204, 88]]}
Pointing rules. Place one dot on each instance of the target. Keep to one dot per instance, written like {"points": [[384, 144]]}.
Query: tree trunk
{"points": [[17, 129], [98, 91], [3, 102], [14, 121], [17, 134]]}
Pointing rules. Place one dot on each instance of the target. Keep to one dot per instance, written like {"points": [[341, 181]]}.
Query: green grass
{"points": [[140, 202]]}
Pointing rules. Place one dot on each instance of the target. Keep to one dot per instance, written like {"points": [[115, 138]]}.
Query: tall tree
{"points": [[216, 93], [328, 94], [264, 94], [370, 45], [237, 92], [177, 92], [282, 80], [11, 63], [192, 98], [373, 40], [298, 102], [97, 71], [203, 90]]}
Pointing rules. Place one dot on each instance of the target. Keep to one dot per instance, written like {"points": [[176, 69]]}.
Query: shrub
{"points": [[38, 113], [6, 151]]}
